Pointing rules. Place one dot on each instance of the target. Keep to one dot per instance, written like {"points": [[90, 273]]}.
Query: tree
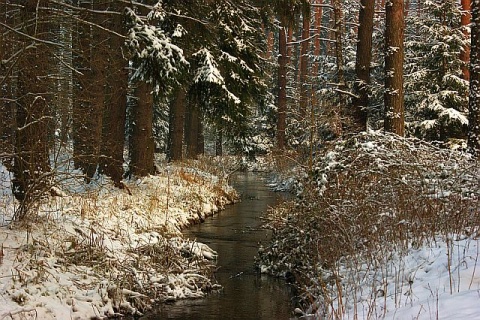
{"points": [[90, 62], [193, 132], [142, 146], [362, 65], [31, 165], [474, 102], [437, 101], [286, 11], [227, 82], [7, 105], [465, 23], [304, 55], [114, 117], [176, 125], [394, 52], [317, 47], [282, 88], [157, 64]]}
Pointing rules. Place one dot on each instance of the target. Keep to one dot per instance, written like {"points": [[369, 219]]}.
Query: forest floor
{"points": [[95, 251], [383, 228]]}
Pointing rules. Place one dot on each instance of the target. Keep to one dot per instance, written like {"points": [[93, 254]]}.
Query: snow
{"points": [[101, 251], [435, 281], [349, 268]]}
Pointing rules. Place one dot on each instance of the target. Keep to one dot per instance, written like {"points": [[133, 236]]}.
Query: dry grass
{"points": [[369, 196]]}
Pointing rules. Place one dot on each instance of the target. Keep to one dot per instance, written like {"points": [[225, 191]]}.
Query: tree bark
{"points": [[192, 125], [282, 89], [270, 44], [7, 105], [90, 93], [340, 110], [304, 52], [362, 64], [317, 49], [142, 145], [465, 53], [114, 116], [33, 117], [394, 53], [219, 143], [474, 101], [176, 125], [200, 136]]}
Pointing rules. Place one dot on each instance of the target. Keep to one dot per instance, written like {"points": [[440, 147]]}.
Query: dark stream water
{"points": [[235, 234]]}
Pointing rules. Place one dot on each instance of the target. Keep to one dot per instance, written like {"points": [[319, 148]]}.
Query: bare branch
{"points": [[64, 4], [348, 93], [30, 37]]}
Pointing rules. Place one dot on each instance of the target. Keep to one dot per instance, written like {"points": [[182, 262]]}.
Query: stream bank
{"points": [[236, 233]]}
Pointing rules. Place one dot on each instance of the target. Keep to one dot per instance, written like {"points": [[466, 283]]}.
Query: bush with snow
{"points": [[367, 204]]}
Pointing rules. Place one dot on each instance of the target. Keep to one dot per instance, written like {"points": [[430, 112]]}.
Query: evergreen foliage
{"points": [[436, 93]]}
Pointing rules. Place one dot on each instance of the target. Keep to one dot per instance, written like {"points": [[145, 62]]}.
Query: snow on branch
{"points": [[208, 72], [156, 58]]}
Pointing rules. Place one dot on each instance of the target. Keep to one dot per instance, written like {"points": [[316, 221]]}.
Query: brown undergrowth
{"points": [[369, 195]]}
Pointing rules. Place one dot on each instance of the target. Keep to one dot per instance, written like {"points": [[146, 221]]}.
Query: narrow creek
{"points": [[235, 234]]}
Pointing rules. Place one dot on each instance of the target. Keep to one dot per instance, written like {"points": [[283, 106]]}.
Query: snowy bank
{"points": [[103, 251], [383, 227]]}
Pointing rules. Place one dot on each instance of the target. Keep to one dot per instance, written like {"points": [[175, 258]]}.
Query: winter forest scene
{"points": [[239, 159]]}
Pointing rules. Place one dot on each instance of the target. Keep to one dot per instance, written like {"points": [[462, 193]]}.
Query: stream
{"points": [[235, 234]]}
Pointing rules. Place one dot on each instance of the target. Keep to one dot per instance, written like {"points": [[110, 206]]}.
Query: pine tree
{"points": [[394, 52], [176, 125], [142, 146], [286, 11], [7, 105], [90, 61], [436, 101], [363, 63], [31, 165], [157, 63], [282, 88], [465, 51], [474, 102], [114, 116], [304, 59]]}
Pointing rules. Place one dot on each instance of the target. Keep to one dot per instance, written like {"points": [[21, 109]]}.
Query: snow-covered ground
{"points": [[104, 251], [439, 280], [384, 228]]}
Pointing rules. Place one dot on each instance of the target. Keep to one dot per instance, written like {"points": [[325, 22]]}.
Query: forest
{"points": [[367, 110]]}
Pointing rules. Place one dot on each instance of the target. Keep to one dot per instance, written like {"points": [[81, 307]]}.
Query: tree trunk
{"points": [[341, 109], [316, 50], [90, 94], [200, 136], [142, 145], [465, 52], [282, 88], [7, 105], [394, 96], [304, 62], [192, 124], [362, 65], [270, 44], [474, 102], [33, 118], [114, 116], [176, 125], [318, 30], [219, 143]]}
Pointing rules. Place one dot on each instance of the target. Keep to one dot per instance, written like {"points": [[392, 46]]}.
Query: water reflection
{"points": [[235, 234]]}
